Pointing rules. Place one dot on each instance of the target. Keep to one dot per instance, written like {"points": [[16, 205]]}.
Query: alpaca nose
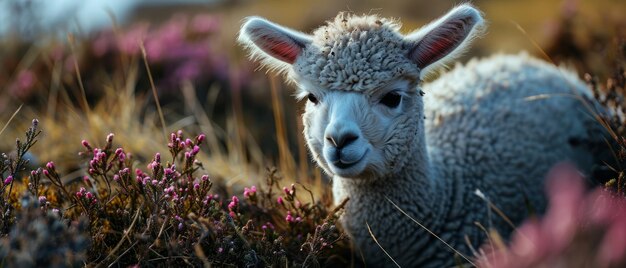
{"points": [[342, 139]]}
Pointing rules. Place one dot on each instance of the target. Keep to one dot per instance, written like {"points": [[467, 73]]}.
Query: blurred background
{"points": [[89, 68]]}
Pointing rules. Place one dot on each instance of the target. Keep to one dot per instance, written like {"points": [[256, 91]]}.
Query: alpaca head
{"points": [[360, 77]]}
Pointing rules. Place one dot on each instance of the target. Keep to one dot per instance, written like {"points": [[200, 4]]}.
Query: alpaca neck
{"points": [[417, 190]]}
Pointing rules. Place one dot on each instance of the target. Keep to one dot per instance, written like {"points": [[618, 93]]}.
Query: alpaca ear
{"points": [[445, 39], [276, 46]]}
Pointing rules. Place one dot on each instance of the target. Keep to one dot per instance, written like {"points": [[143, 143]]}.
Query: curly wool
{"points": [[355, 53]]}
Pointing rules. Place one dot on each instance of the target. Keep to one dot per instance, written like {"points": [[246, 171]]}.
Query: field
{"points": [[156, 142]]}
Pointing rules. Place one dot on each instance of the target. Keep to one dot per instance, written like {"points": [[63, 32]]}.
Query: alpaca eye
{"points": [[391, 99], [312, 98]]}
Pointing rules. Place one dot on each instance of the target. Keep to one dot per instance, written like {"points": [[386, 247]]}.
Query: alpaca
{"points": [[485, 134]]}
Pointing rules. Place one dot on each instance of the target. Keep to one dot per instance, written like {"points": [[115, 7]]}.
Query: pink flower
{"points": [[110, 137], [8, 180], [289, 218], [23, 84], [249, 192], [577, 226], [234, 203], [201, 138], [204, 24], [86, 145], [50, 165], [129, 42]]}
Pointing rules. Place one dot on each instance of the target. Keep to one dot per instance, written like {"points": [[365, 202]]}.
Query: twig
{"points": [[430, 232], [119, 244], [123, 253], [71, 39], [154, 91], [11, 119], [381, 247]]}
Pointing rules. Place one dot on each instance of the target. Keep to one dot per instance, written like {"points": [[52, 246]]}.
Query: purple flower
{"points": [[249, 192], [201, 138], [233, 204], [50, 165], [289, 218], [128, 43], [204, 24], [86, 145], [25, 81], [42, 200], [122, 157], [195, 150], [110, 137], [8, 180], [280, 201]]}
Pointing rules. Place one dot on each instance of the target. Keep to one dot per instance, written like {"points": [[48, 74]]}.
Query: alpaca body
{"points": [[495, 125]]}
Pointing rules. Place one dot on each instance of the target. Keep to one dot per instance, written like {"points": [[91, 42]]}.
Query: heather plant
{"points": [[611, 95], [167, 213], [10, 169], [179, 49]]}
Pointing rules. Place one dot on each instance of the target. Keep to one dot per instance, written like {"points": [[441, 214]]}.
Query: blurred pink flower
{"points": [[23, 84], [129, 42], [204, 24], [574, 220], [102, 43]]}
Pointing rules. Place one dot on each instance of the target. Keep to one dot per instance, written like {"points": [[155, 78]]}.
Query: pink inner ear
{"points": [[282, 49], [278, 45], [441, 41]]}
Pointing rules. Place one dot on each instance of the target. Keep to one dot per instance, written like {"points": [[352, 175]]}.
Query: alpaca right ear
{"points": [[443, 40], [278, 47]]}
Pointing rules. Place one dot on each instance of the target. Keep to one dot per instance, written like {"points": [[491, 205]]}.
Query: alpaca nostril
{"points": [[331, 140], [348, 138], [343, 140]]}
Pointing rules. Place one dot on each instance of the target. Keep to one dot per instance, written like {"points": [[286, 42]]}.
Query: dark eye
{"points": [[312, 98], [391, 99]]}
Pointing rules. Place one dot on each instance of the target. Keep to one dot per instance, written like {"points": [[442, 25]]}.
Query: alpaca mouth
{"points": [[343, 163]]}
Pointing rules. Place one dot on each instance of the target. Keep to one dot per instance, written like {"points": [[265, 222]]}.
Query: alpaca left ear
{"points": [[276, 46], [445, 39]]}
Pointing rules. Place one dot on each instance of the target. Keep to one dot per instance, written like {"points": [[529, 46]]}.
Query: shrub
{"points": [[165, 214]]}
